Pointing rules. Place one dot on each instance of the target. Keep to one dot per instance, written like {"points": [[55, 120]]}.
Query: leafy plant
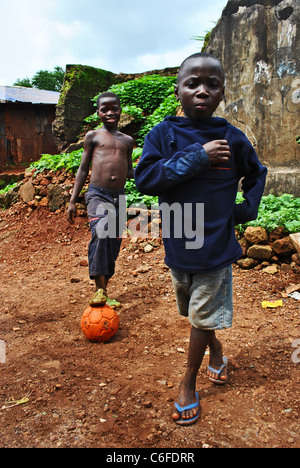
{"points": [[145, 93], [274, 212], [67, 161], [135, 197], [169, 106], [7, 188]]}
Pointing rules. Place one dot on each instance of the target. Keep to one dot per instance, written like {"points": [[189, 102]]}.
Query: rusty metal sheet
{"points": [[25, 132]]}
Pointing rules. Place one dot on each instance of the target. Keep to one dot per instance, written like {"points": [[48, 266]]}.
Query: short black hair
{"points": [[199, 55], [108, 94]]}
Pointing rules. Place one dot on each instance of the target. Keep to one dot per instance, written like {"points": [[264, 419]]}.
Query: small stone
{"points": [[147, 404], [271, 270]]}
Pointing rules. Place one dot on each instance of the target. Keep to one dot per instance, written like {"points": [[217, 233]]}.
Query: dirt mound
{"points": [[121, 393]]}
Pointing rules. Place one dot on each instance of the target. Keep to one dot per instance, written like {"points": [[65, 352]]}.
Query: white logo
{"points": [[2, 352], [178, 221], [296, 353]]}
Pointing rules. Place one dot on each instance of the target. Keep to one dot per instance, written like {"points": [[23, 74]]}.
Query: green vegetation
{"points": [[7, 188], [276, 211], [44, 79], [205, 39], [68, 161], [147, 92]]}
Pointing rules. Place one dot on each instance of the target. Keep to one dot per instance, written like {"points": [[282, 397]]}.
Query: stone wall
{"points": [[258, 42], [81, 84]]}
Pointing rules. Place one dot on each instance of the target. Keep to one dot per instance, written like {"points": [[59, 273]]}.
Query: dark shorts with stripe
{"points": [[107, 218]]}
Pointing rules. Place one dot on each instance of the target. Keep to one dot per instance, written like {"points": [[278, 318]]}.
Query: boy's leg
{"points": [[101, 282], [199, 341], [216, 358]]}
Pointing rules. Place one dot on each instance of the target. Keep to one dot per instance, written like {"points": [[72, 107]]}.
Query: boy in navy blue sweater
{"points": [[194, 163]]}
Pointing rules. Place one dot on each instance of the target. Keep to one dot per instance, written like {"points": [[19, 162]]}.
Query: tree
{"points": [[25, 82], [44, 79]]}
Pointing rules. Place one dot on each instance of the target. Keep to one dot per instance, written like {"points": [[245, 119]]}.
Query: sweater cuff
{"points": [[203, 160], [186, 166]]}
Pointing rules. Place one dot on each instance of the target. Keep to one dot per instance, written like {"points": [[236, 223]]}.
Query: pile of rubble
{"points": [[47, 189], [271, 252]]}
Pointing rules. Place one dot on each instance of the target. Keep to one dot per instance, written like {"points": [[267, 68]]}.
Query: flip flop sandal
{"points": [[186, 422], [218, 381]]}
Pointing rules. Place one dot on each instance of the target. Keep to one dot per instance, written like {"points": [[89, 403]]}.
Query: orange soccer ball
{"points": [[99, 323]]}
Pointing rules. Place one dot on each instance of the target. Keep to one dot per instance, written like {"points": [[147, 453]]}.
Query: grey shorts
{"points": [[206, 299]]}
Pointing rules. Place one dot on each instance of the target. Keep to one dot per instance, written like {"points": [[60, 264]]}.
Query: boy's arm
{"points": [[129, 156], [253, 183], [157, 173], [81, 175]]}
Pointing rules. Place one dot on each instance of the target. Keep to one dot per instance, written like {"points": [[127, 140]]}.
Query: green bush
{"points": [[146, 93], [274, 212], [68, 161], [169, 106]]}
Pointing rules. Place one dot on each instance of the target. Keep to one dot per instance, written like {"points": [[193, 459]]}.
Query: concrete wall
{"points": [[258, 42]]}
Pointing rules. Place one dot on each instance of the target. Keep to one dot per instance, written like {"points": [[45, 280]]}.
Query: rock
{"points": [[283, 246], [277, 233], [26, 192], [256, 235], [45, 181], [147, 404], [244, 244], [44, 201], [292, 288], [260, 252], [75, 280], [148, 248], [296, 259], [56, 197], [247, 263], [272, 270], [143, 269]]}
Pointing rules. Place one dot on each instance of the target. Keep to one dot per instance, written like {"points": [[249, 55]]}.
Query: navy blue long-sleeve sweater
{"points": [[175, 166]]}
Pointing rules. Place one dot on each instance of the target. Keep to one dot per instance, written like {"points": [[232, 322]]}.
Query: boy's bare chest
{"points": [[109, 143]]}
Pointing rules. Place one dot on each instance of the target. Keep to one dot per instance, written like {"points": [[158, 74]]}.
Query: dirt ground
{"points": [[120, 394]]}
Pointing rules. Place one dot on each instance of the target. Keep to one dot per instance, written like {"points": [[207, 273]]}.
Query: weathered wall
{"points": [[81, 84], [258, 42], [25, 132]]}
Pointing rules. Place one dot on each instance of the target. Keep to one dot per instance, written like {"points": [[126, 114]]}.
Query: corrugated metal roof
{"points": [[32, 95]]}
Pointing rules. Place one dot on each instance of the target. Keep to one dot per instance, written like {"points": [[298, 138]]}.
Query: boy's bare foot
{"points": [[186, 408], [218, 374]]}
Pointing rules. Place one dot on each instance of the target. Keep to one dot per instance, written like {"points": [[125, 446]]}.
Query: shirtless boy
{"points": [[110, 153]]}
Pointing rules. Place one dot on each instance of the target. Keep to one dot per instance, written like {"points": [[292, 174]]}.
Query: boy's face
{"points": [[200, 87], [109, 111]]}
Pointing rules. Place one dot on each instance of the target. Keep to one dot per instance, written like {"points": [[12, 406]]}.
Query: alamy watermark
{"points": [[296, 353], [2, 352], [178, 221]]}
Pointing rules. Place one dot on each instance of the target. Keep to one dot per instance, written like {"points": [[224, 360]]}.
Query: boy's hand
{"points": [[71, 213], [217, 151]]}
